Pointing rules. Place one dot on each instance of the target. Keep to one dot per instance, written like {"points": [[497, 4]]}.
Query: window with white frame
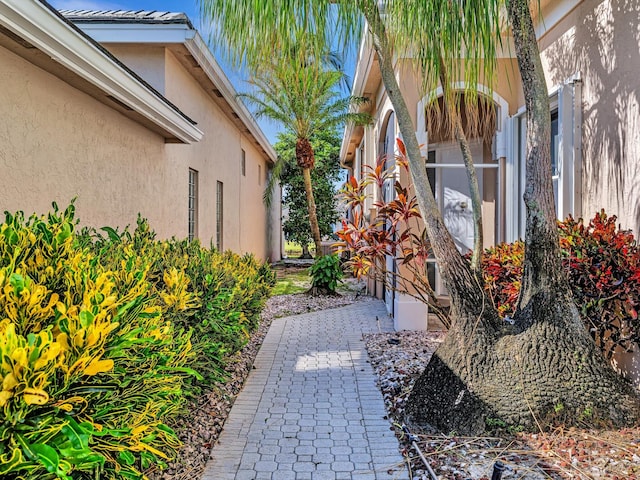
{"points": [[193, 205], [566, 159]]}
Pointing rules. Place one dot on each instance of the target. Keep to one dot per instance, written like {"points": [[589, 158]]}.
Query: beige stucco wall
{"points": [[57, 143], [217, 157], [600, 41], [148, 61]]}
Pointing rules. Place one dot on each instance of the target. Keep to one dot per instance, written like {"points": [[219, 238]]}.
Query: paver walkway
{"points": [[310, 409]]}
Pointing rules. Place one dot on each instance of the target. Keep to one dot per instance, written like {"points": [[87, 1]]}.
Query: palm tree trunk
{"points": [[466, 292], [311, 206], [472, 176]]}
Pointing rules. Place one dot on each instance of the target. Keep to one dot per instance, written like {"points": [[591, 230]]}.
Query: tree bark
{"points": [[305, 252], [311, 206], [486, 368], [306, 160], [467, 295]]}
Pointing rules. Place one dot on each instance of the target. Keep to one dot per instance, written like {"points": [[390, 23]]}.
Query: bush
{"points": [[90, 367], [325, 273], [96, 332], [603, 267], [217, 295]]}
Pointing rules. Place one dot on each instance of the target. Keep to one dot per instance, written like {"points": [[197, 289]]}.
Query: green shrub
{"points": [[90, 367], [603, 267], [96, 333], [217, 295], [326, 272]]}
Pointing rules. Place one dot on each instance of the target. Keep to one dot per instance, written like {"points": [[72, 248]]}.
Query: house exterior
{"points": [[144, 123], [591, 55]]}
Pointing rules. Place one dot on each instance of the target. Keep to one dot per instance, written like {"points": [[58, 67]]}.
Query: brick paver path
{"points": [[310, 409]]}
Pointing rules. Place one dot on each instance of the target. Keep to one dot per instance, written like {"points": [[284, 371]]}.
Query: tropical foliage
{"points": [[97, 348], [602, 262], [395, 232], [324, 178], [325, 273]]}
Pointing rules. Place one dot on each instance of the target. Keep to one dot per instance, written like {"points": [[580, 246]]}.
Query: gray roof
{"points": [[125, 16]]}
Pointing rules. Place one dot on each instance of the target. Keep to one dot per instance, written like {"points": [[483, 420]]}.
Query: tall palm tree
{"points": [[301, 95], [485, 367]]}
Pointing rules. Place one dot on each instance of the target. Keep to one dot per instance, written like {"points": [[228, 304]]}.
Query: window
{"points": [[219, 215], [243, 163], [259, 174], [566, 159], [193, 204]]}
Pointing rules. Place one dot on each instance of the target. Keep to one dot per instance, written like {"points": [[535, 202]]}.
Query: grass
{"points": [[291, 280], [294, 250]]}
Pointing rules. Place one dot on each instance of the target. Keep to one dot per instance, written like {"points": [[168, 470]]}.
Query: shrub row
{"points": [[101, 341], [602, 263]]}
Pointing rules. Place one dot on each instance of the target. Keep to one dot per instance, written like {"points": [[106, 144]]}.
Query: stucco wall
{"points": [[57, 143], [600, 40], [217, 157], [146, 60]]}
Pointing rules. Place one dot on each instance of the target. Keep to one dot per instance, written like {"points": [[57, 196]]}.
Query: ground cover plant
{"points": [[97, 343]]}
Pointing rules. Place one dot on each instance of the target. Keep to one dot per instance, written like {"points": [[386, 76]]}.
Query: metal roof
{"points": [[126, 16]]}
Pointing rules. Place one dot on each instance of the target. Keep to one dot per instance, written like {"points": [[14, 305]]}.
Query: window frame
{"points": [[192, 205]]}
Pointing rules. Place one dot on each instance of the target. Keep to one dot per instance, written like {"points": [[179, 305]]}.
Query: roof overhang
{"points": [[194, 54], [365, 84], [35, 31]]}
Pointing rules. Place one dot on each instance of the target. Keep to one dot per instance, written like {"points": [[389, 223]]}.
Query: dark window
{"points": [[193, 204], [243, 163], [259, 174], [219, 217]]}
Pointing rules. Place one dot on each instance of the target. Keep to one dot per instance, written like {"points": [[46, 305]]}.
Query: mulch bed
{"points": [[399, 358]]}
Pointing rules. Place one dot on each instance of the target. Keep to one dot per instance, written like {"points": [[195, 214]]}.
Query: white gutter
{"points": [[181, 33], [38, 25], [366, 56]]}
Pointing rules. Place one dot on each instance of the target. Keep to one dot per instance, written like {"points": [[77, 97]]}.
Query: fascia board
{"points": [[160, 34], [366, 54], [38, 25]]}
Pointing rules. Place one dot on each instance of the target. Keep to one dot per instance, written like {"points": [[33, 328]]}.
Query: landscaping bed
{"points": [[399, 358]]}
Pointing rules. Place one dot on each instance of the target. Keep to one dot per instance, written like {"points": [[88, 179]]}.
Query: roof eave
{"points": [[38, 24], [175, 33], [364, 63], [201, 53]]}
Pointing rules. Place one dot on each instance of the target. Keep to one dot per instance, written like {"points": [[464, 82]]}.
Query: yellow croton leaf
{"points": [[4, 397], [50, 354], [35, 396], [98, 366], [9, 382], [19, 357]]}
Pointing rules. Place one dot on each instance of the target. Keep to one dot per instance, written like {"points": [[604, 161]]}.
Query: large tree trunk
{"points": [[487, 368], [306, 161]]}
